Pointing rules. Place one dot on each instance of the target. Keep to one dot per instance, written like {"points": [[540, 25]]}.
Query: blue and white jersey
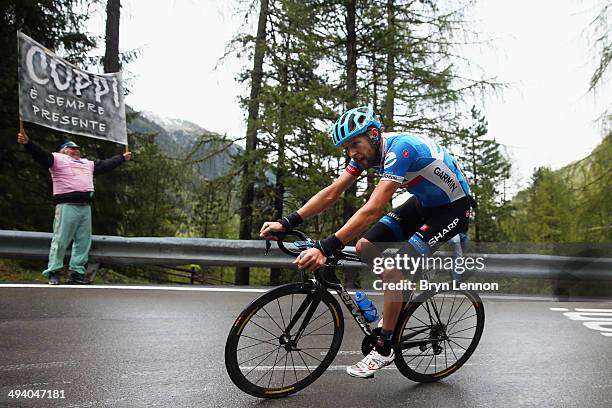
{"points": [[420, 165]]}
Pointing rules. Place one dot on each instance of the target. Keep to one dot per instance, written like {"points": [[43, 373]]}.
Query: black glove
{"points": [[329, 245], [291, 221]]}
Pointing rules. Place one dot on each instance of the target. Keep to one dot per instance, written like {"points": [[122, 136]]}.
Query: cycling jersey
{"points": [[420, 165]]}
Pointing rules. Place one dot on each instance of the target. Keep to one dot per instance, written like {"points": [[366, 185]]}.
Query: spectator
{"points": [[73, 192]]}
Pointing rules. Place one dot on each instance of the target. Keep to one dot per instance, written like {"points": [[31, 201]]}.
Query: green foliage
{"points": [[600, 29], [487, 169], [572, 204]]}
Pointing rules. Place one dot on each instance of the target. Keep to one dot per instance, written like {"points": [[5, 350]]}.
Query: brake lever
{"points": [[268, 246]]}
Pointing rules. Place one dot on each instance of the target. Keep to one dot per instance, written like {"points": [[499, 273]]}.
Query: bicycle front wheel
{"points": [[437, 334], [271, 351]]}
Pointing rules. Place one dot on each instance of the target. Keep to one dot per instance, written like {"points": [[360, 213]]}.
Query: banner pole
{"points": [[21, 129], [126, 148]]}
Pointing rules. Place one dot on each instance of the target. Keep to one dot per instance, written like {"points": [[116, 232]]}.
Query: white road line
{"points": [[302, 368], [225, 289], [311, 368], [135, 287]]}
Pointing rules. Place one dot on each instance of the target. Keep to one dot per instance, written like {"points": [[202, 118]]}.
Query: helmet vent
{"points": [[351, 123]]}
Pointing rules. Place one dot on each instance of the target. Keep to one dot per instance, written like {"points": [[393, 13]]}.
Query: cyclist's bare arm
{"points": [[316, 205], [326, 197], [313, 259], [369, 213]]}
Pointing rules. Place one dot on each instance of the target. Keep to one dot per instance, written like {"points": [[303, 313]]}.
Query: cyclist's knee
{"points": [[360, 245], [391, 275]]}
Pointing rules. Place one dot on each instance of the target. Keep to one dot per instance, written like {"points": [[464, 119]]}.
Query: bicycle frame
{"points": [[321, 282]]}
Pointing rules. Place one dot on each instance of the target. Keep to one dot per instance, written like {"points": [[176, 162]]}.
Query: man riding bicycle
{"points": [[437, 210]]}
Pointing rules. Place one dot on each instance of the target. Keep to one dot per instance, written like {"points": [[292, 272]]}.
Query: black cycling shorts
{"points": [[424, 228]]}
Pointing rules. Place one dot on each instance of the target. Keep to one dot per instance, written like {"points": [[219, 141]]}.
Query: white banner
{"points": [[58, 95]]}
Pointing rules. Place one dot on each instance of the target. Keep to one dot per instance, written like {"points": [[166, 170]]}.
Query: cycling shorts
{"points": [[423, 228]]}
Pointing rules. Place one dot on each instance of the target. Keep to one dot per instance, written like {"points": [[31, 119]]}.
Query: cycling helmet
{"points": [[353, 123]]}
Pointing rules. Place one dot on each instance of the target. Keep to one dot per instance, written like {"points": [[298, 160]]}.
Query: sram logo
{"points": [[442, 233]]}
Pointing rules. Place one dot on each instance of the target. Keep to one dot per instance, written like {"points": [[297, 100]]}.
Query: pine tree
{"points": [[248, 170], [487, 168]]}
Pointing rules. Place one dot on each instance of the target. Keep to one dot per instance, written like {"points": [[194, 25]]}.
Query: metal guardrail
{"points": [[224, 252]]}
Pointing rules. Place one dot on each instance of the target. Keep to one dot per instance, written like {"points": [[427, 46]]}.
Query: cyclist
{"points": [[437, 210]]}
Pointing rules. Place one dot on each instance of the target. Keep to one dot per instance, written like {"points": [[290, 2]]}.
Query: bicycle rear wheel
{"points": [[266, 359], [438, 333]]}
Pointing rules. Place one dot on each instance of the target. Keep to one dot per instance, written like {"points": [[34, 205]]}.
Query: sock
{"points": [[386, 334], [382, 346]]}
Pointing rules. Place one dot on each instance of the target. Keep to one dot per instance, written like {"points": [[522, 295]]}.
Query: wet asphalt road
{"points": [[145, 348]]}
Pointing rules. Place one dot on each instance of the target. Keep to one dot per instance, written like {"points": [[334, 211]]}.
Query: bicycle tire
{"points": [[405, 362], [246, 321]]}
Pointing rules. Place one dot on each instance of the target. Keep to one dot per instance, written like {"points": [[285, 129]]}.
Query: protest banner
{"points": [[61, 96]]}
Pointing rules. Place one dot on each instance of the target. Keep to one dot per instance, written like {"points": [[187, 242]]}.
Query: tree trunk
{"points": [[248, 173], [390, 42], [111, 56], [279, 188], [350, 195]]}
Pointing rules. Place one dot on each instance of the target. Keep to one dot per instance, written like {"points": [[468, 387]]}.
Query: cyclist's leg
{"points": [[424, 229], [394, 227], [389, 229], [439, 225]]}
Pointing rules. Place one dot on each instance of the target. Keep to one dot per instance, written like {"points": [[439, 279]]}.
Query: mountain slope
{"points": [[178, 138]]}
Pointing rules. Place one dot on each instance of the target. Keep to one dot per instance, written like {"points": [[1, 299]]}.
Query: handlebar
{"points": [[303, 243]]}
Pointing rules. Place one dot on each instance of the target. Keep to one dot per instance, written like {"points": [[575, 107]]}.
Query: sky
{"points": [[540, 49]]}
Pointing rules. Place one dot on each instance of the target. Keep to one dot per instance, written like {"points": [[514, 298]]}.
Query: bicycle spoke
{"points": [[415, 368], [463, 314], [272, 373], [452, 307], [416, 327], [435, 363], [445, 357], [418, 355], [256, 344], [300, 354], [282, 318], [280, 328], [442, 306], [458, 344], [456, 310], [263, 328], [429, 364], [253, 358], [425, 324], [451, 349], [319, 328], [293, 364], [273, 365], [455, 323], [254, 367], [291, 310], [285, 369], [428, 312], [459, 331], [310, 355]]}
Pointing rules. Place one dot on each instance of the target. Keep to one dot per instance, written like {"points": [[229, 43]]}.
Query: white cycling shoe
{"points": [[370, 364]]}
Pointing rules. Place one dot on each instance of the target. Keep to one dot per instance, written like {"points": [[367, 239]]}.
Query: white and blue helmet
{"points": [[353, 123]]}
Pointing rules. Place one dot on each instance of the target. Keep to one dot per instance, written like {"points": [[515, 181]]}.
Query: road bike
{"points": [[286, 339]]}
